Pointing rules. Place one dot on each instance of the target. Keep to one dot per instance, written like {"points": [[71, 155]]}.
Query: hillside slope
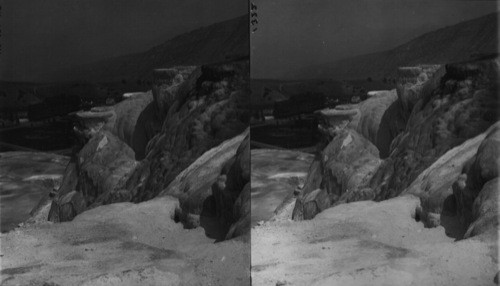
{"points": [[214, 43], [460, 42]]}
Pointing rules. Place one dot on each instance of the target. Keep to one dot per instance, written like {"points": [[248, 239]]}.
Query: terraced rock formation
{"points": [[190, 111], [436, 109], [121, 221], [437, 189]]}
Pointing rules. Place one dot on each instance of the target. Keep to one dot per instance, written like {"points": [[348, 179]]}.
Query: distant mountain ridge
{"points": [[456, 43], [214, 43]]}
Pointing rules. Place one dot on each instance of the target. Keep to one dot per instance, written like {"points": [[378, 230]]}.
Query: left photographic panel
{"points": [[124, 142]]}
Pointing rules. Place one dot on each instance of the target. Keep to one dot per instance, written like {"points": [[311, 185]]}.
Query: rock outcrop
{"points": [[384, 114], [345, 166], [190, 111], [89, 123], [379, 120], [436, 109], [102, 166], [334, 120], [425, 159], [122, 120], [134, 120], [459, 102], [194, 185], [166, 87], [435, 185], [202, 140], [137, 122], [209, 108], [139, 117]]}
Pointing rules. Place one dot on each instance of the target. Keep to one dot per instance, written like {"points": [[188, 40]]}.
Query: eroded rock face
{"points": [[138, 118], [166, 87], [194, 185], [379, 119], [457, 103], [214, 190], [411, 83], [435, 184], [89, 123], [137, 122], [134, 120], [232, 192], [476, 191], [102, 166], [337, 119], [436, 109], [446, 156], [201, 108], [209, 108], [346, 166], [384, 115]]}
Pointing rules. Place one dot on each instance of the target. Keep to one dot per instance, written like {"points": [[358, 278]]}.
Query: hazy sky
{"points": [[292, 34], [39, 35]]}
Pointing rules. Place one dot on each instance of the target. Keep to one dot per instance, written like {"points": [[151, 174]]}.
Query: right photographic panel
{"points": [[375, 142]]}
